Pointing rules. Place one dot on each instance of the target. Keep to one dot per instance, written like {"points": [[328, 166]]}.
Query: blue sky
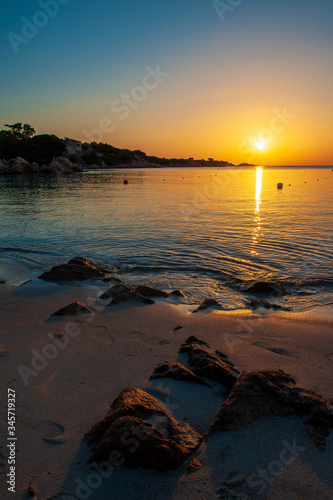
{"points": [[65, 77]]}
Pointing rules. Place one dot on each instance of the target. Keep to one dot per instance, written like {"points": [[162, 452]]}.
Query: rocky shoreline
{"points": [[62, 165], [18, 166]]}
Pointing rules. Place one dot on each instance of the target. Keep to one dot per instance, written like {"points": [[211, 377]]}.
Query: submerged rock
{"points": [[208, 303], [147, 291], [78, 269], [130, 295], [143, 434], [177, 371], [178, 293], [74, 309], [265, 287], [269, 393], [255, 303], [116, 290], [210, 365]]}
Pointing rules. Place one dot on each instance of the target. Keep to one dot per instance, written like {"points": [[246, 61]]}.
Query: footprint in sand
{"points": [[102, 335], [276, 350], [55, 434]]}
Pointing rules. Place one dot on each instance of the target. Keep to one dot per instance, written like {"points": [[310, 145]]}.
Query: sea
{"points": [[205, 231]]}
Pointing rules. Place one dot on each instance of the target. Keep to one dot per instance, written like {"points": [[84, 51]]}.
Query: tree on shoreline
{"points": [[20, 131], [20, 140]]}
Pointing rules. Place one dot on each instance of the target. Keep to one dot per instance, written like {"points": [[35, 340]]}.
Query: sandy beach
{"points": [[62, 390]]}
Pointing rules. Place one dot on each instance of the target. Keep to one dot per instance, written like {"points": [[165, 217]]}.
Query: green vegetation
{"points": [[20, 140]]}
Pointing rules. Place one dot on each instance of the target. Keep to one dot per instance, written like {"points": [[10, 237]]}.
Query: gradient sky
{"points": [[229, 79]]}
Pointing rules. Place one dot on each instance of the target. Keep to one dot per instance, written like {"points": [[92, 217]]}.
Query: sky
{"points": [[247, 81]]}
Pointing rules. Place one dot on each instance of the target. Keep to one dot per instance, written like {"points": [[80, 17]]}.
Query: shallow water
{"points": [[192, 229]]}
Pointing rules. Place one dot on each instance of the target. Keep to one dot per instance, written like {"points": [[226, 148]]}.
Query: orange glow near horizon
{"points": [[211, 115]]}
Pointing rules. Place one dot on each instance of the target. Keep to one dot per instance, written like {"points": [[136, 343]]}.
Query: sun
{"points": [[260, 145]]}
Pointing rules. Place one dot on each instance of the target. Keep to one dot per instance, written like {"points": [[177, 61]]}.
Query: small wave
{"points": [[24, 250]]}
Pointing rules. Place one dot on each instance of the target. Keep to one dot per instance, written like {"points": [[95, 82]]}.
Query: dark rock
{"points": [[177, 371], [208, 303], [147, 291], [116, 290], [178, 293], [264, 287], [78, 269], [192, 340], [209, 365], [108, 279], [2, 282], [60, 165], [74, 309], [194, 466], [32, 491], [179, 327], [235, 283], [20, 166], [221, 355], [126, 296], [269, 393], [144, 434]]}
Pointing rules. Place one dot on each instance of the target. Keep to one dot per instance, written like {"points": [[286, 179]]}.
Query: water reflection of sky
{"points": [[256, 233]]}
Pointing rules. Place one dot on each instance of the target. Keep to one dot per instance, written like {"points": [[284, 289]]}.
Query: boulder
{"points": [[143, 434], [77, 269], [73, 309], [177, 371], [19, 166], [265, 288], [190, 342], [208, 303], [126, 296], [147, 291], [62, 165], [210, 365], [116, 290], [35, 167], [269, 393]]}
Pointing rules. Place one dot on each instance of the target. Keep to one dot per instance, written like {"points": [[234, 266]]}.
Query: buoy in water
{"points": [[280, 185], [125, 182]]}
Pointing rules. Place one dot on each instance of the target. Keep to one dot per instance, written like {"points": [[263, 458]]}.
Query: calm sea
{"points": [[192, 229]]}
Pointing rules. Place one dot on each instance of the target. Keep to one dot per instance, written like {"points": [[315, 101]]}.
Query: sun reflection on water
{"points": [[256, 232]]}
